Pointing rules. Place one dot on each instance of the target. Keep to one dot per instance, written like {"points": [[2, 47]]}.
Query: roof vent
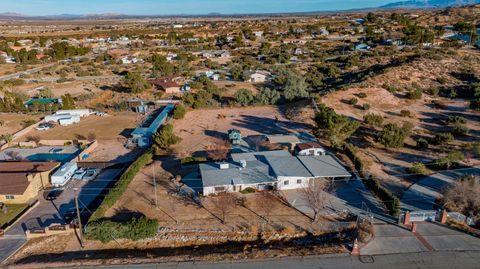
{"points": [[243, 163], [224, 166]]}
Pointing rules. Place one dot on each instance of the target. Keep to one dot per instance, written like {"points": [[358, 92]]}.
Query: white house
{"points": [[257, 76], [63, 174], [63, 119], [265, 170], [78, 112]]}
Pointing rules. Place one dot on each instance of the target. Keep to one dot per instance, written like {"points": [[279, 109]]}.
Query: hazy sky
{"points": [[165, 7]]}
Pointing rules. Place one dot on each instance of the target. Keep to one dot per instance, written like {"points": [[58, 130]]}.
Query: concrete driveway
{"points": [[429, 237], [422, 195]]}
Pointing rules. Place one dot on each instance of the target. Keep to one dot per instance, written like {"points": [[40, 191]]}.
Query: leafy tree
{"points": [[295, 88], [244, 97], [161, 67], [135, 82], [164, 138], [447, 161], [330, 125], [393, 136], [179, 112], [373, 119], [266, 96], [67, 101]]}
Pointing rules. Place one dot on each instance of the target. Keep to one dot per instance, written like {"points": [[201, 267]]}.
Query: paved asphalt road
{"points": [[422, 260], [26, 72], [422, 195]]}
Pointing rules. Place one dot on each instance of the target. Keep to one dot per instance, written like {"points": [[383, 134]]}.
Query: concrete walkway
{"points": [[422, 195]]}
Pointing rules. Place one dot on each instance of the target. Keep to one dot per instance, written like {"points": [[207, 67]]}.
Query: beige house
{"points": [[22, 181]]}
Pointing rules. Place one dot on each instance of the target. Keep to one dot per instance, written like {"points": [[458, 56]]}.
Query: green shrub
{"points": [[393, 136], [448, 161], [414, 94], [389, 88], [433, 91], [392, 203], [405, 113], [179, 112], [366, 106], [442, 138], [362, 95], [351, 152], [418, 169], [121, 185], [422, 143], [193, 160], [135, 229], [441, 80], [248, 190], [353, 101], [373, 119], [475, 104]]}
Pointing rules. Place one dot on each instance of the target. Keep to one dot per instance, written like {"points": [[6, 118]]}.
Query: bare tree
{"points": [[224, 203], [315, 196], [267, 202], [13, 155], [463, 196], [218, 150]]}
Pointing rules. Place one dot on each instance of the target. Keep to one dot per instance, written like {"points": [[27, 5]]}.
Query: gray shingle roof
{"points": [[324, 166], [255, 172], [287, 166], [252, 156]]}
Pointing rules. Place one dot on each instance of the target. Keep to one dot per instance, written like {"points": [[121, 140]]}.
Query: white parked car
{"points": [[91, 174], [79, 173]]}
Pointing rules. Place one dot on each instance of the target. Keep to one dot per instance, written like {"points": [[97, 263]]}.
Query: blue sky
{"points": [[165, 7]]}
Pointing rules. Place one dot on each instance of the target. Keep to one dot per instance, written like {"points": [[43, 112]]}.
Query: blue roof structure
{"points": [[143, 135]]}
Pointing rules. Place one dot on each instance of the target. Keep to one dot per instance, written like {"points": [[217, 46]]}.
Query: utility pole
{"points": [[155, 185], [78, 217]]}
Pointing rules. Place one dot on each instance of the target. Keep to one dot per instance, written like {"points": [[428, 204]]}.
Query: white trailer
{"points": [[76, 112], [63, 174], [69, 120]]}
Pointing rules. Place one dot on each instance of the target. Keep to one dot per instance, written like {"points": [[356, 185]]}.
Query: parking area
{"points": [[53, 211]]}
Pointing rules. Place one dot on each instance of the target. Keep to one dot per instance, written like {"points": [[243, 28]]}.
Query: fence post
{"points": [[443, 216], [414, 227], [406, 218]]}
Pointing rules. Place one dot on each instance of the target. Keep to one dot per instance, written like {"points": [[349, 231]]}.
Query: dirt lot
{"points": [[13, 122], [199, 126], [111, 127], [390, 165]]}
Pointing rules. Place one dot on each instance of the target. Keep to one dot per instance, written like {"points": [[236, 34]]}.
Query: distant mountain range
{"points": [[409, 4], [430, 3]]}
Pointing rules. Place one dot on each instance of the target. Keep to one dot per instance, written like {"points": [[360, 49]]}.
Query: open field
{"points": [[199, 126], [13, 210], [14, 122], [111, 127]]}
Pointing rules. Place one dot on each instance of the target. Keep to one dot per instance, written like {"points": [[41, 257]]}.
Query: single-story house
{"points": [[167, 84], [257, 76], [22, 181], [265, 170], [309, 149]]}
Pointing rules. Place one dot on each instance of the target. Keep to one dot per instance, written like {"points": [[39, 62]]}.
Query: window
{"points": [[219, 188], [285, 182], [299, 181], [9, 197]]}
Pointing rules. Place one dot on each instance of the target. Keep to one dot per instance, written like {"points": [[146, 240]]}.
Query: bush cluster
{"points": [[108, 230], [121, 185]]}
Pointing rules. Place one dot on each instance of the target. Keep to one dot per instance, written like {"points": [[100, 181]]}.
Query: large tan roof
{"points": [[13, 183], [27, 167]]}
